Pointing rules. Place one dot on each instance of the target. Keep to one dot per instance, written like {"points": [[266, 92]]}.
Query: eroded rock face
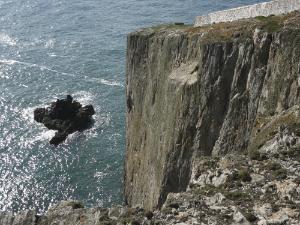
{"points": [[196, 92], [253, 192], [66, 116]]}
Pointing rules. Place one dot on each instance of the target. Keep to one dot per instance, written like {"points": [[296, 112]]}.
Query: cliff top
{"points": [[227, 30]]}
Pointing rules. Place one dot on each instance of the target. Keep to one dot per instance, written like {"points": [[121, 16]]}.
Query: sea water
{"points": [[50, 48]]}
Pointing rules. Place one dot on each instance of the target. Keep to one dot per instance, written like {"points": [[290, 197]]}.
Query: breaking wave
{"points": [[111, 83], [7, 40]]}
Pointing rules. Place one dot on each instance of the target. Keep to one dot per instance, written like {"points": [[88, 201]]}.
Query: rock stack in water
{"points": [[66, 116]]}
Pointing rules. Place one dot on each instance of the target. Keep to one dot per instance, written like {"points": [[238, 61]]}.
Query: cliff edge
{"points": [[205, 91]]}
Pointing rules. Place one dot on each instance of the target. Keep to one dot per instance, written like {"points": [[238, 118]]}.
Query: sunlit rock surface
{"points": [[207, 91]]}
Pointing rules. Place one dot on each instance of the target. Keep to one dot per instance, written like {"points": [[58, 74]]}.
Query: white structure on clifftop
{"points": [[275, 7]]}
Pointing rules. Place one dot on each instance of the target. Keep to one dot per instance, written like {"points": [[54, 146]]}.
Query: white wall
{"points": [[275, 7]]}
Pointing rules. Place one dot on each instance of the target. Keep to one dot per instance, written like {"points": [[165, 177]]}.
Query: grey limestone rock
{"points": [[204, 92]]}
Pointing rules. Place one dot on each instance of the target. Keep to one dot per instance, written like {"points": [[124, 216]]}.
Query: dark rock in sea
{"points": [[66, 116], [58, 138], [39, 114]]}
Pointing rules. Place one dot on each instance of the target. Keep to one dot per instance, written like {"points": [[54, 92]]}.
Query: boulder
{"points": [[39, 114], [66, 116], [58, 138]]}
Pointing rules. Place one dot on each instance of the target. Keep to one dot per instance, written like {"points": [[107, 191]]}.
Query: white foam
{"points": [[100, 175], [3, 76], [45, 135], [7, 40], [12, 62], [42, 68], [111, 83], [27, 113], [50, 43], [100, 119], [8, 61], [84, 97]]}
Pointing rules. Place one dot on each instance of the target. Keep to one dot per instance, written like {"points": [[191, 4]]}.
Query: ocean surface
{"points": [[50, 48]]}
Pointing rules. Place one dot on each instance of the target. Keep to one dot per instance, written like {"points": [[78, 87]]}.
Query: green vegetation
{"points": [[236, 195], [272, 26], [107, 223], [207, 190], [280, 174], [105, 220], [292, 153], [173, 26], [261, 18], [244, 175], [125, 220], [250, 217], [256, 155], [270, 23], [166, 210], [174, 205], [228, 31], [275, 208], [210, 163], [135, 222], [75, 205], [238, 176], [210, 190], [276, 170], [149, 215], [273, 166]]}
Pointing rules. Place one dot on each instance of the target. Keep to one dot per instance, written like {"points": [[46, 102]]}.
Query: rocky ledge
{"points": [[66, 116], [258, 187]]}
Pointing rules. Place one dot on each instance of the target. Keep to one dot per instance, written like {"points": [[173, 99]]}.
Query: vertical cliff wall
{"points": [[194, 92]]}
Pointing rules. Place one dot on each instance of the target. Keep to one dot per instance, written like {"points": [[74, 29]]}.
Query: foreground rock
{"points": [[66, 116], [254, 188]]}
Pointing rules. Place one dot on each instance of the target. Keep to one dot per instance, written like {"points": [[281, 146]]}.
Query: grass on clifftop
{"points": [[172, 26], [244, 28], [270, 23], [240, 29]]}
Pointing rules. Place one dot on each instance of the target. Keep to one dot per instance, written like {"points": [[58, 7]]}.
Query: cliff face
{"points": [[195, 92]]}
